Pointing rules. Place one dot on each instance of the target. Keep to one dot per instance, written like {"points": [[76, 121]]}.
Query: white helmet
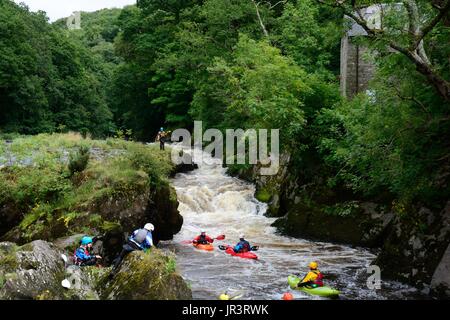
{"points": [[242, 236], [202, 231], [149, 227]]}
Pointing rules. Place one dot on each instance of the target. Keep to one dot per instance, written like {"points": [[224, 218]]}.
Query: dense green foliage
{"points": [[48, 80], [243, 64]]}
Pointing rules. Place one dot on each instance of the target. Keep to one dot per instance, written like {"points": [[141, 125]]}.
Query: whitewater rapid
{"points": [[221, 204]]}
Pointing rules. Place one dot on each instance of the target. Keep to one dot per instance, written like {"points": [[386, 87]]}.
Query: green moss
{"points": [[171, 265], [147, 276], [263, 195], [110, 226], [27, 247], [9, 263], [343, 209]]}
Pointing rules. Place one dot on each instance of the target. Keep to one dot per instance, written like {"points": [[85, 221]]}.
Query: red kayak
{"points": [[244, 255]]}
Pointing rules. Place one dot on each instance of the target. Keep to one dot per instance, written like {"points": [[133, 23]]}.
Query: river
{"points": [[212, 200]]}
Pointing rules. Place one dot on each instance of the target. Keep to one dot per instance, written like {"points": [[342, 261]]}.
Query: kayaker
{"points": [[141, 239], [203, 238], [314, 278], [82, 255], [243, 245]]}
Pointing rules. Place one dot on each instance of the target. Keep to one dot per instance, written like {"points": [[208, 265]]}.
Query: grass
{"points": [[47, 192]]}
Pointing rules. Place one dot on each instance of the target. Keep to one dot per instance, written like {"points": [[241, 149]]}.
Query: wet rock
{"points": [[364, 224], [271, 189], [163, 212], [146, 276], [416, 249]]}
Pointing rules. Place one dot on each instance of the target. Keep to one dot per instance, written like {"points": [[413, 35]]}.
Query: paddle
{"points": [[254, 248], [221, 237]]}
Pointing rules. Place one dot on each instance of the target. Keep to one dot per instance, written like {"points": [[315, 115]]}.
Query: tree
{"points": [[405, 29]]}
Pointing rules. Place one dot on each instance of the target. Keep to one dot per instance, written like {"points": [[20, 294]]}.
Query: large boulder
{"points": [[163, 212], [146, 276], [269, 188], [113, 218], [356, 223], [416, 249], [30, 271]]}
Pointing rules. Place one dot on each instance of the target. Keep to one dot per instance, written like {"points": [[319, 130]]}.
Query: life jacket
{"points": [[77, 260], [162, 136], [245, 246], [140, 236], [319, 280], [202, 239]]}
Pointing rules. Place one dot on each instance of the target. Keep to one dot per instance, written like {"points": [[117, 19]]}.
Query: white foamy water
{"points": [[212, 200]]}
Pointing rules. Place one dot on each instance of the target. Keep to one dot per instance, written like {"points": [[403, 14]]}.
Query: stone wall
{"points": [[357, 68]]}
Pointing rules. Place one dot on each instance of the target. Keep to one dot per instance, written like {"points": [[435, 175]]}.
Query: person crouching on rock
{"points": [[83, 256], [141, 239]]}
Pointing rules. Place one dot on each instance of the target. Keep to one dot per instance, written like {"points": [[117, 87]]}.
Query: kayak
{"points": [[206, 247], [244, 255], [319, 291]]}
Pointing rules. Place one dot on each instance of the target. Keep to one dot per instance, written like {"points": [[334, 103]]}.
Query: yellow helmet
{"points": [[313, 265], [224, 296]]}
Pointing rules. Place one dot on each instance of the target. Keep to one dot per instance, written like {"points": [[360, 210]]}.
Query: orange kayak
{"points": [[206, 247]]}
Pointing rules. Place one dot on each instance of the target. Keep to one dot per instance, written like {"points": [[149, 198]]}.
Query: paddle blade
{"points": [[186, 241], [221, 237], [222, 247], [255, 248]]}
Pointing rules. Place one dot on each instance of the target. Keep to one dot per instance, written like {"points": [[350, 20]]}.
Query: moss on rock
{"points": [[263, 195], [147, 276]]}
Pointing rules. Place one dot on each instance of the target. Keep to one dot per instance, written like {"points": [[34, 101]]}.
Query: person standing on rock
{"points": [[83, 256], [161, 137], [141, 239]]}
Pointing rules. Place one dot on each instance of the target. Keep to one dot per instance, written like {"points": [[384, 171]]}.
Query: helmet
{"points": [[162, 129], [313, 265], [86, 240], [149, 227], [241, 236], [224, 296], [202, 231], [287, 296]]}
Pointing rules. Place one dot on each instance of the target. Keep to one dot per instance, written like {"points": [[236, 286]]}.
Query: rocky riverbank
{"points": [[36, 270], [413, 242], [46, 206]]}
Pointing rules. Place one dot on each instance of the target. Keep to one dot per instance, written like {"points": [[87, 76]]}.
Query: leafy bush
{"points": [[78, 161]]}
